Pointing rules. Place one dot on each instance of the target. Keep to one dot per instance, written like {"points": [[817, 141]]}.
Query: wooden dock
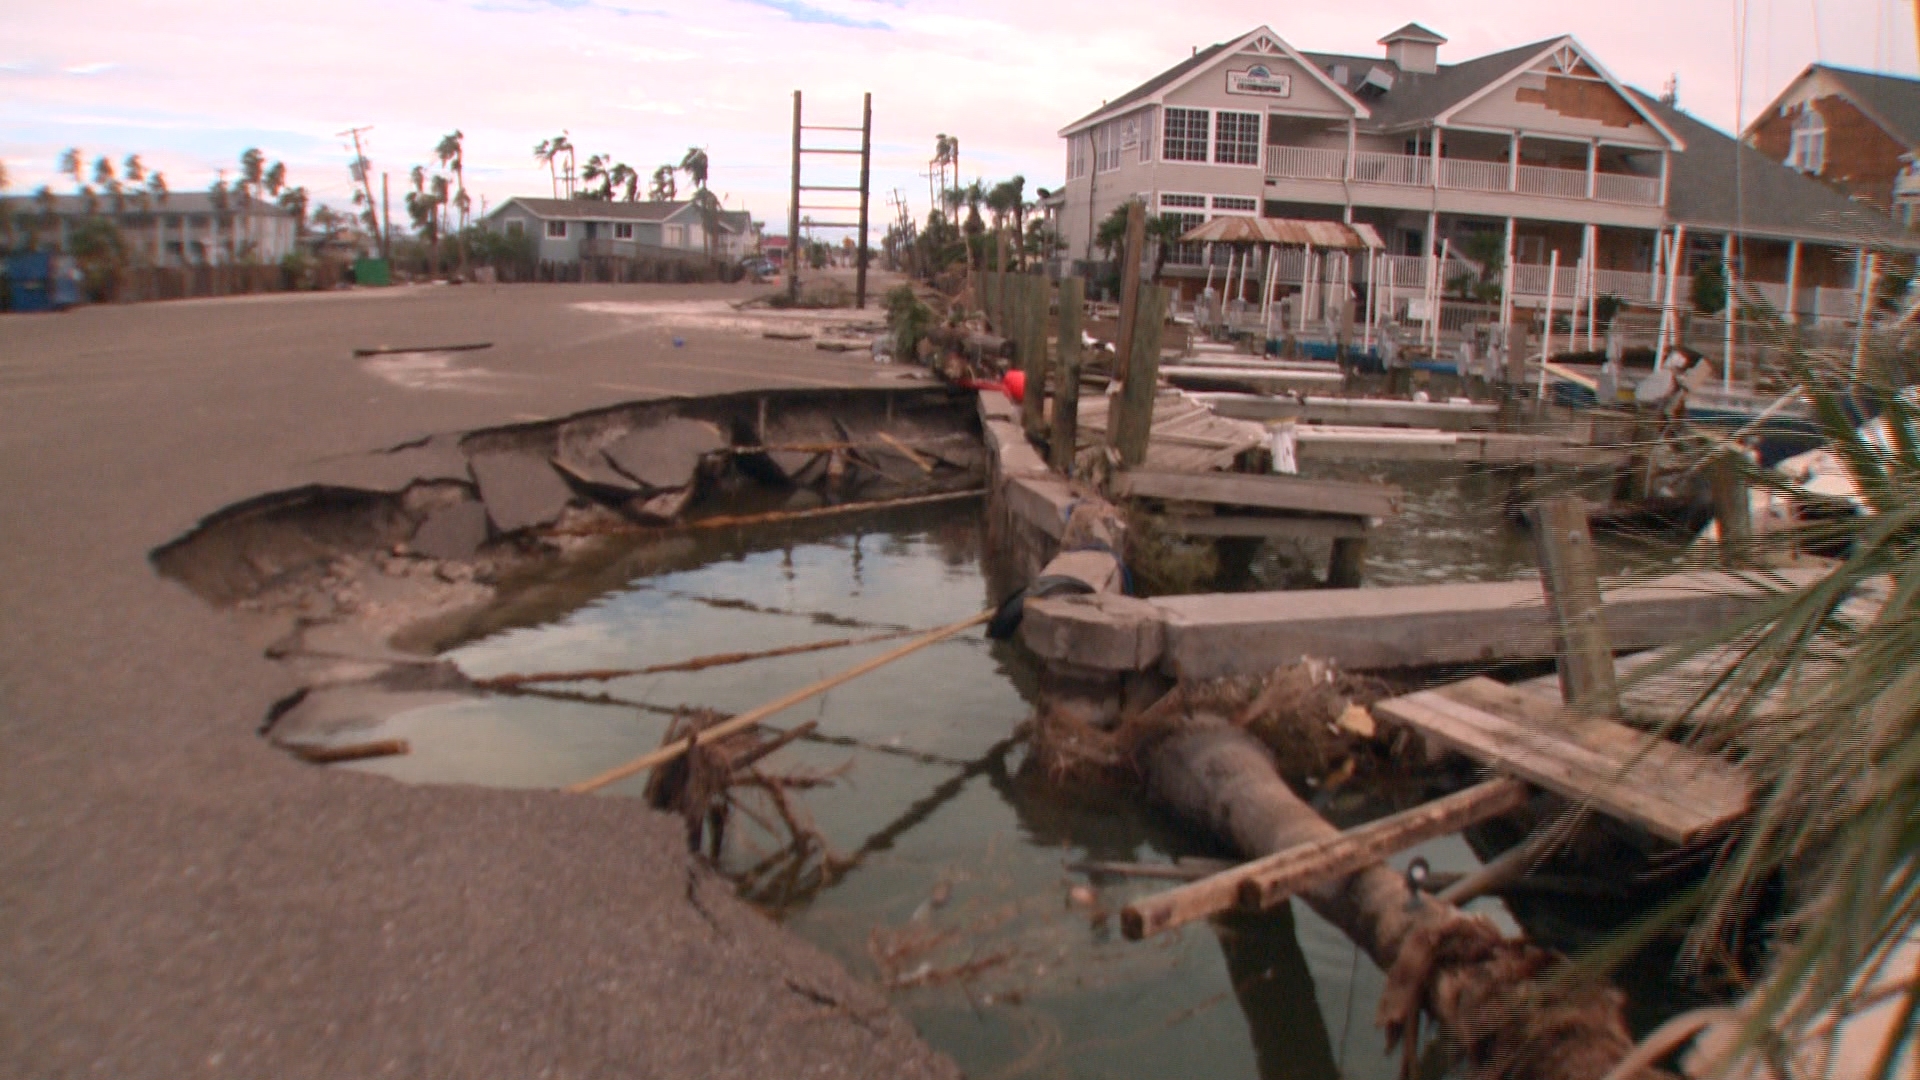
{"points": [[1210, 635], [1338, 442], [1370, 412], [1256, 380]]}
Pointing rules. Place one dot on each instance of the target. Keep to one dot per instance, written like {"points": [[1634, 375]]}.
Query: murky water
{"points": [[952, 880]]}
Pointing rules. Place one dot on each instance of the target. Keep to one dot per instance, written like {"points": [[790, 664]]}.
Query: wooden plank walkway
{"points": [[1264, 491], [1187, 436], [1673, 792], [1217, 376], [1323, 442], [1389, 412]]}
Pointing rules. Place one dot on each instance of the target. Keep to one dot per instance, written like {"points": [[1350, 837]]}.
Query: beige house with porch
{"points": [[1538, 145]]}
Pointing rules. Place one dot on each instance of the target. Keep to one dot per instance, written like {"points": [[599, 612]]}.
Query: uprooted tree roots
{"points": [[1216, 753], [706, 784], [1312, 716]]}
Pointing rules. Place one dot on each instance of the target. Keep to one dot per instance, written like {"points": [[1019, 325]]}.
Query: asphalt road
{"points": [[179, 900]]}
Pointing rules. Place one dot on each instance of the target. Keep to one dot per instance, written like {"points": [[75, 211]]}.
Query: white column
{"points": [[1436, 155], [1506, 280], [1733, 307], [1593, 164], [1353, 134], [1666, 173], [1546, 325], [1593, 278], [1866, 275], [1513, 163]]}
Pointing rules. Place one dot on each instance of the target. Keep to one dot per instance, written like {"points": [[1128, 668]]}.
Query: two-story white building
{"points": [[181, 228], [572, 230], [1537, 145]]}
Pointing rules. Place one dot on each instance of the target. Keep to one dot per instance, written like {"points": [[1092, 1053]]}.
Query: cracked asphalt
{"points": [[179, 900]]}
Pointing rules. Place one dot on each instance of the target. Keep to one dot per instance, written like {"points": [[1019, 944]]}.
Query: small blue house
{"points": [[570, 230]]}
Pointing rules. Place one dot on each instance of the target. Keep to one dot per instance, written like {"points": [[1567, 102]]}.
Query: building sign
{"points": [[1260, 81], [1130, 133]]}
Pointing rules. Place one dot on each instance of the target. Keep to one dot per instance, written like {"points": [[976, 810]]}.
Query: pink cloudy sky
{"points": [[189, 85]]}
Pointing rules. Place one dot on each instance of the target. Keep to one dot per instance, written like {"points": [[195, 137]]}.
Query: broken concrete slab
{"points": [[597, 476], [661, 509], [667, 454], [799, 467], [521, 491], [1103, 631], [437, 458], [452, 532]]}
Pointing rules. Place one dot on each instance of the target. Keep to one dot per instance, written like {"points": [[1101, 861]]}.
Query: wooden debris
{"points": [[754, 716], [699, 663], [1265, 492], [328, 755], [388, 350], [1267, 881], [1671, 791], [731, 521]]}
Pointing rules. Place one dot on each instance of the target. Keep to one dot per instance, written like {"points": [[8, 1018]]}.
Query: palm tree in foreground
{"points": [[1818, 696]]}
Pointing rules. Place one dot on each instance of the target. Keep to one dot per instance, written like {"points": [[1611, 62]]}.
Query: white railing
{"points": [[1408, 271], [1620, 188], [1306, 163], [1465, 175], [1556, 183], [1835, 303], [1631, 285], [1403, 169]]}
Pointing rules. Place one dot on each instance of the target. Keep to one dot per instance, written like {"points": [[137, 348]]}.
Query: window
{"points": [[1107, 148], [1146, 136], [1808, 150], [1237, 141], [623, 231], [1184, 135], [677, 236], [515, 228], [1079, 153], [1197, 201], [1234, 202], [557, 229]]}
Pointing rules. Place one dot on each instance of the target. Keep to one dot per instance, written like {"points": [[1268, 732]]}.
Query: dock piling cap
{"points": [[1015, 383]]}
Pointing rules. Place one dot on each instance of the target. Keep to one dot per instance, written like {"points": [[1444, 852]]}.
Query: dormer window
{"points": [[1808, 150]]}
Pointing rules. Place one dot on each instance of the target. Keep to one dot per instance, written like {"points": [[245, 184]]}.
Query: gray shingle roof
{"points": [[1894, 100], [599, 210], [1417, 98], [1413, 31], [1721, 184]]}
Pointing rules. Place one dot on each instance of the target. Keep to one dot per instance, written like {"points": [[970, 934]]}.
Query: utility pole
{"points": [[866, 169], [360, 167], [386, 228], [793, 213]]}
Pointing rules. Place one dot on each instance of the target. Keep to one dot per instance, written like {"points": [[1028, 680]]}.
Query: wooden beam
{"points": [[1267, 492], [1732, 506], [1266, 881], [1570, 580], [1265, 527], [1130, 253], [1671, 791]]}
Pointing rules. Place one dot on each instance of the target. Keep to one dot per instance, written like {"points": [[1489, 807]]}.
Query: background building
{"points": [[1501, 162], [183, 228], [570, 230]]}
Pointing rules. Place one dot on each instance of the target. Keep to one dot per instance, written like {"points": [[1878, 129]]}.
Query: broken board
{"points": [[1673, 792]]}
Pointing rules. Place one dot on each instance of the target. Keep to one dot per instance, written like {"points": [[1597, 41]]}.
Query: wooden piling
{"points": [[1348, 565], [1570, 579], [1129, 431], [1066, 392], [1034, 292], [1732, 507], [1129, 286]]}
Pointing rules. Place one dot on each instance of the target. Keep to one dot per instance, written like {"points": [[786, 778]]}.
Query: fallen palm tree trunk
{"points": [[1493, 998], [772, 517]]}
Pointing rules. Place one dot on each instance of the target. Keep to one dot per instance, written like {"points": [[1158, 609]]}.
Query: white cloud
{"points": [[97, 67]]}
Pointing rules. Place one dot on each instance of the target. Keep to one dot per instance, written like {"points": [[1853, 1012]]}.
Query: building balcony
{"points": [[1462, 174], [600, 247]]}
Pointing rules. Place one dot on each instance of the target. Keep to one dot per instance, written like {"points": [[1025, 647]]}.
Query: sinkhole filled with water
{"points": [[950, 877]]}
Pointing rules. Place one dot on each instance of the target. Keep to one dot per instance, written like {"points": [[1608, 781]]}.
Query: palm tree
{"points": [[451, 153], [104, 177], [694, 164], [548, 152], [222, 218], [946, 154], [1007, 199], [663, 189], [424, 204], [294, 201], [3, 176], [626, 178], [598, 169]]}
